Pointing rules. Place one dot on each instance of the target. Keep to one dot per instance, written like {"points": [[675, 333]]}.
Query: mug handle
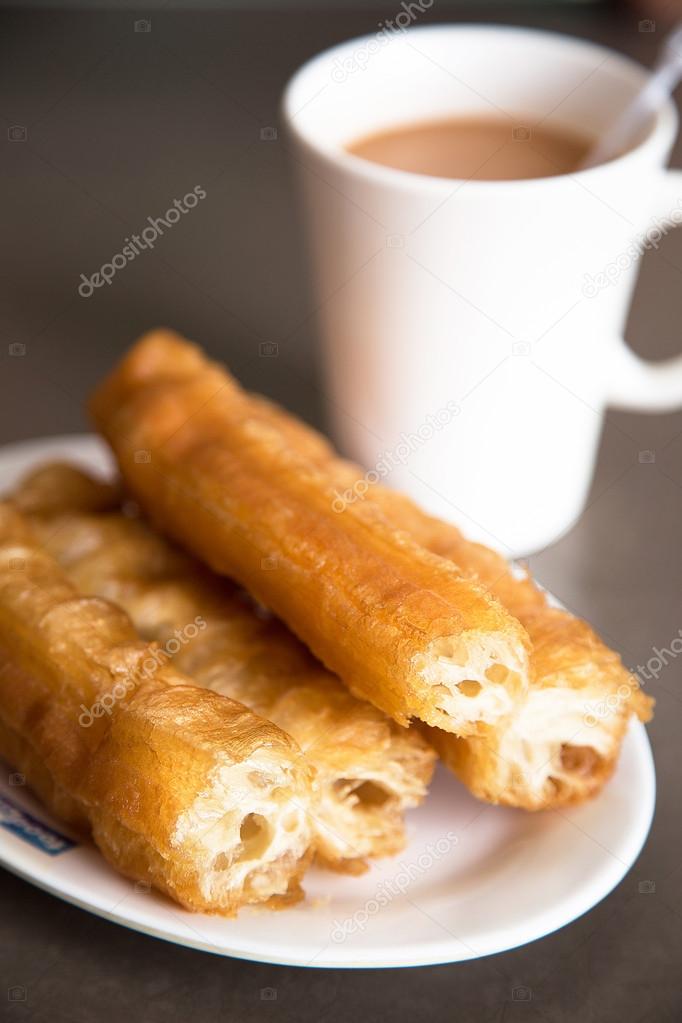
{"points": [[637, 383]]}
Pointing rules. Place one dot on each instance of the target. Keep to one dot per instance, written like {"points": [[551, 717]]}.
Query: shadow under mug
{"points": [[472, 330]]}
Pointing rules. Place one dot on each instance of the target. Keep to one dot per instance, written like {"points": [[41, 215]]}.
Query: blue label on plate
{"points": [[31, 830]]}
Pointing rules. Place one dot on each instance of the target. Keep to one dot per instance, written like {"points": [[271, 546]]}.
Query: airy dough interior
{"points": [[477, 679], [355, 812], [550, 742], [250, 848]]}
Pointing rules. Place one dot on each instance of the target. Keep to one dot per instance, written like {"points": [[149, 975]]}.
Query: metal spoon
{"points": [[629, 124]]}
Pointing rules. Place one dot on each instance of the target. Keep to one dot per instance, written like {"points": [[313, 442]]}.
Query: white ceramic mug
{"points": [[472, 331]]}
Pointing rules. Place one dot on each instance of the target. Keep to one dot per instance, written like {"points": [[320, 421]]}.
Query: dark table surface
{"points": [[115, 125]]}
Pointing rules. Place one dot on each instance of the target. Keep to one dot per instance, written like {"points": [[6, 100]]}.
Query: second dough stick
{"points": [[368, 769], [402, 627]]}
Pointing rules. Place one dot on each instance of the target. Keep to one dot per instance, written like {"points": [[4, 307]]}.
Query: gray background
{"points": [[119, 124]]}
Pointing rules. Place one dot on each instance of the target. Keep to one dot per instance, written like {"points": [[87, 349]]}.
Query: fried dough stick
{"points": [[561, 742], [368, 769], [180, 787], [211, 466]]}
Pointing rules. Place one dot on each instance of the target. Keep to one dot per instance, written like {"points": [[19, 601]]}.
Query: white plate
{"points": [[474, 879]]}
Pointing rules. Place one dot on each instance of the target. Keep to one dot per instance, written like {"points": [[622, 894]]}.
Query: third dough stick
{"points": [[402, 627]]}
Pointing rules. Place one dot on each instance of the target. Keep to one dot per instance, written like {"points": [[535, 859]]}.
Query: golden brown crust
{"points": [[368, 769], [60, 486], [160, 769], [402, 627], [23, 757]]}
